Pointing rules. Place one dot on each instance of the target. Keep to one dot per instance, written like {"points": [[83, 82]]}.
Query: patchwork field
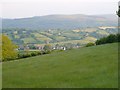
{"points": [[24, 36], [88, 67]]}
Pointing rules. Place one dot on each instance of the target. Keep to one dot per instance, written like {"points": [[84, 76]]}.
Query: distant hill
{"points": [[61, 21]]}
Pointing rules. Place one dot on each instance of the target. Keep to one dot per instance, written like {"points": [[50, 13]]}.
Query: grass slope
{"points": [[95, 67], [0, 76]]}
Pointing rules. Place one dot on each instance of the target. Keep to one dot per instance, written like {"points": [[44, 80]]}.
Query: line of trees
{"points": [[112, 38]]}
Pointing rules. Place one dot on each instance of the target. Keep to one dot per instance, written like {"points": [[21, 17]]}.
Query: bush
{"points": [[28, 54], [47, 52], [34, 54], [90, 44], [24, 55]]}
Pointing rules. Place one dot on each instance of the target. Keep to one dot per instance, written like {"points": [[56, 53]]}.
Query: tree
{"points": [[8, 49], [109, 39], [47, 48]]}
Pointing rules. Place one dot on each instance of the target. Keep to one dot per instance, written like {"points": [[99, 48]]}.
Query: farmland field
{"points": [[87, 67], [24, 36]]}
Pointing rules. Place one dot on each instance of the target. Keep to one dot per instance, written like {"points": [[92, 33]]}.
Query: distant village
{"points": [[40, 47]]}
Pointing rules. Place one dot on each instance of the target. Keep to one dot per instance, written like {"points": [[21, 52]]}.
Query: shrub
{"points": [[28, 54], [47, 52], [90, 44], [34, 54], [25, 55]]}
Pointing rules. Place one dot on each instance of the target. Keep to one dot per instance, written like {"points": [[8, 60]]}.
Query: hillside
{"points": [[94, 67], [61, 21], [81, 36]]}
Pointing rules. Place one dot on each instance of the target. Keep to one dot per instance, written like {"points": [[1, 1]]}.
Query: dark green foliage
{"points": [[32, 47], [101, 41], [24, 55], [118, 37], [28, 54], [47, 52], [109, 39], [34, 54], [90, 44]]}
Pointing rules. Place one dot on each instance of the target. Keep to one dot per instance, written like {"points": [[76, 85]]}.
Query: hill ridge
{"points": [[61, 21]]}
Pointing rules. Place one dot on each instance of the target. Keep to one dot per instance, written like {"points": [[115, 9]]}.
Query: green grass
{"points": [[102, 32], [89, 67], [60, 38], [90, 39], [29, 40], [0, 76]]}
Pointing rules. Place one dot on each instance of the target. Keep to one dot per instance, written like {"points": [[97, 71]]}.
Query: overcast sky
{"points": [[30, 8]]}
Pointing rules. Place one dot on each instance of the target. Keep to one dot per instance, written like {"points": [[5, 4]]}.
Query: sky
{"points": [[30, 8]]}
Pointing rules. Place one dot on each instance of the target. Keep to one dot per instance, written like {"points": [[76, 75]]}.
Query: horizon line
{"points": [[54, 15]]}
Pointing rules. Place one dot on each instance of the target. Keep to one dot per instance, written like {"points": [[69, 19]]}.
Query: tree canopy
{"points": [[47, 48], [8, 49], [109, 39]]}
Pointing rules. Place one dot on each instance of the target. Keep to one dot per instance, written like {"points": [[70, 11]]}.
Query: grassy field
{"points": [[0, 76], [89, 67]]}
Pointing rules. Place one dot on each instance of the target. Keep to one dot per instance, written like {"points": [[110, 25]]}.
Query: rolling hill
{"points": [[23, 36], [61, 21], [89, 67]]}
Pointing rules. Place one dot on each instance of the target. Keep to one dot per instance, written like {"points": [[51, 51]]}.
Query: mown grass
{"points": [[90, 67]]}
